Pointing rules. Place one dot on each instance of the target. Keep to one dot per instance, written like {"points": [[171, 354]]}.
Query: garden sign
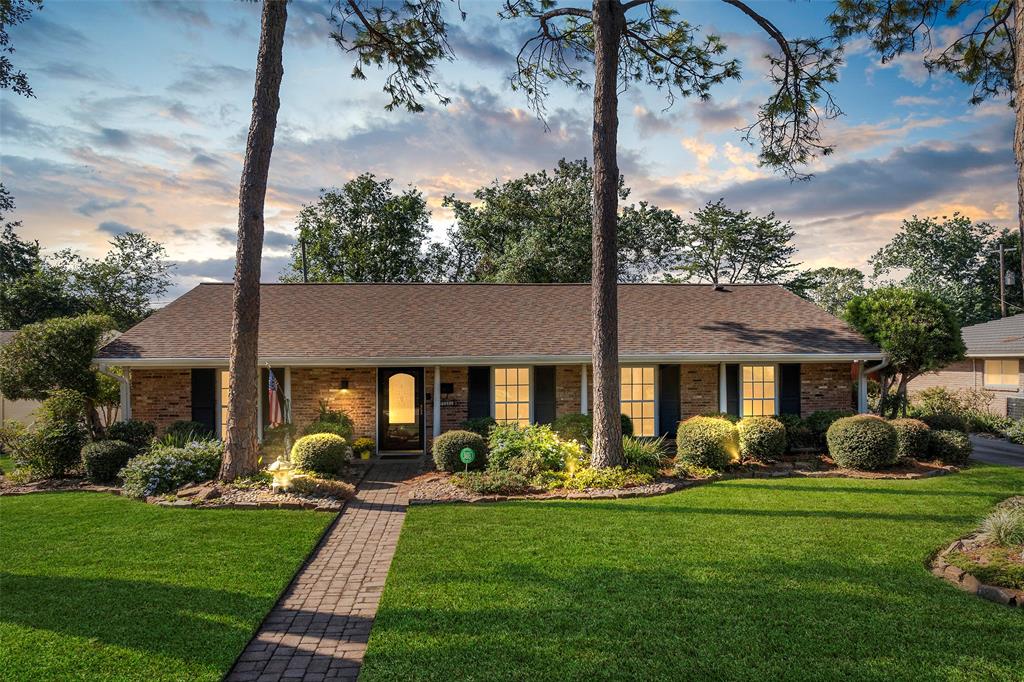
{"points": [[467, 455]]}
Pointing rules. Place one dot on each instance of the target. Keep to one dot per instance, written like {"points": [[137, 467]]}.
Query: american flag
{"points": [[274, 389]]}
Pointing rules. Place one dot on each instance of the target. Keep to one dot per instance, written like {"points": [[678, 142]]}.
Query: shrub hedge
{"points": [[761, 437], [945, 422], [911, 438], [531, 448], [52, 446], [819, 422], [950, 446], [103, 459], [449, 444], [862, 442], [708, 442], [183, 431], [165, 468], [580, 427], [324, 453], [480, 425], [135, 432]]}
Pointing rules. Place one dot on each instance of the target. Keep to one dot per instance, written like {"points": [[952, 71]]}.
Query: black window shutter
{"points": [[732, 390], [668, 399], [204, 398], [789, 389], [479, 392], [544, 394]]}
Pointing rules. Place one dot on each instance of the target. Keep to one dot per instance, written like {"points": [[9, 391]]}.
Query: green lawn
{"points": [[747, 579], [100, 587]]}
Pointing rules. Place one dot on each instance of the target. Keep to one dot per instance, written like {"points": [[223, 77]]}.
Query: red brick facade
{"points": [[454, 405], [968, 374], [310, 385], [698, 390], [826, 386], [161, 396]]}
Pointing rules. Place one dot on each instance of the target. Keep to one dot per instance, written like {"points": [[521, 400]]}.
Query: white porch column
{"points": [[862, 388], [583, 390], [437, 401], [288, 395], [723, 402]]}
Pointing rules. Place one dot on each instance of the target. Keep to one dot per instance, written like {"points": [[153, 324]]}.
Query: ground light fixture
{"points": [[281, 469]]}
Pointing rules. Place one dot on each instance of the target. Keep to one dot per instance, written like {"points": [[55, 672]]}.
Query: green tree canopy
{"points": [[915, 329], [725, 246], [537, 228], [829, 287], [363, 232], [949, 257]]}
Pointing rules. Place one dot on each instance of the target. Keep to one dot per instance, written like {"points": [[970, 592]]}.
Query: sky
{"points": [[142, 108]]}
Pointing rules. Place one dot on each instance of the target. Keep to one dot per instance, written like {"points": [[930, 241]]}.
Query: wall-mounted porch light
{"points": [[344, 386]]}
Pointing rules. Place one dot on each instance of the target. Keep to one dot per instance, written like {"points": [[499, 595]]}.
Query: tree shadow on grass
{"points": [[908, 491]]}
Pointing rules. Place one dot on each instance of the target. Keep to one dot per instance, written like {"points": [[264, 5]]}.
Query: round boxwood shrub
{"points": [[103, 459], [911, 438], [135, 432], [820, 421], [708, 442], [950, 446], [945, 422], [862, 442], [324, 453], [761, 437], [448, 445], [580, 427]]}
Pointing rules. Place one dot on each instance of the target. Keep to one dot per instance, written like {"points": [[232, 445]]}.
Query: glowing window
{"points": [[637, 386], [1002, 373], [758, 390], [512, 395], [401, 399]]}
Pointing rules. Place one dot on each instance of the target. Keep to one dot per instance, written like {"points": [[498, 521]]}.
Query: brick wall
{"points": [[966, 374], [310, 385], [455, 409], [826, 386], [567, 389], [161, 396], [698, 389]]}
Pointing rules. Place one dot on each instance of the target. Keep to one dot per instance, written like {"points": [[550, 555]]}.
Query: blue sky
{"points": [[141, 112]]}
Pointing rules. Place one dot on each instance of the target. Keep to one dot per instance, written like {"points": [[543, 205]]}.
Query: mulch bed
{"points": [[978, 551]]}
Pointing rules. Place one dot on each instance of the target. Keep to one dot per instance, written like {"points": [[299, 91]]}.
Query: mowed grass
{"points": [[98, 587], [793, 579]]}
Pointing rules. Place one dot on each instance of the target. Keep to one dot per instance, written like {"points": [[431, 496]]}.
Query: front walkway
{"points": [[319, 628], [997, 451]]}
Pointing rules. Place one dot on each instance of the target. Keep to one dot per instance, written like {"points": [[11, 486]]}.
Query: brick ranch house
{"points": [[407, 361], [992, 364]]}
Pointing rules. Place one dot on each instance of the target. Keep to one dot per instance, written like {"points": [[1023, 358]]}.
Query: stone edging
{"points": [[967, 582], [672, 486]]}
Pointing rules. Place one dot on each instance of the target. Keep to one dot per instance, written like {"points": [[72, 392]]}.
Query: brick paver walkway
{"points": [[320, 627]]}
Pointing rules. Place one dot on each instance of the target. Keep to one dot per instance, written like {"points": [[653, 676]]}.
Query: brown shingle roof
{"points": [[1004, 336], [339, 322]]}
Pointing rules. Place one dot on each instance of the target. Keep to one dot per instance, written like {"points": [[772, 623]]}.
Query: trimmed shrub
{"points": [[103, 459], [535, 447], [721, 415], [1015, 432], [862, 442], [708, 442], [949, 446], [819, 422], [52, 446], [945, 422], [322, 487], [479, 425], [911, 438], [491, 482], [166, 468], [761, 437], [135, 432], [449, 444], [610, 478], [580, 427], [363, 446], [644, 454], [1004, 527], [324, 453]]}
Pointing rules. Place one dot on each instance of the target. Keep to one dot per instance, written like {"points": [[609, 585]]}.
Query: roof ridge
{"points": [[507, 284]]}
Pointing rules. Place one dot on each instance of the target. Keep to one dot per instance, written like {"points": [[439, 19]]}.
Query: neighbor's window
{"points": [[1002, 373], [512, 395], [638, 398], [758, 390], [224, 379]]}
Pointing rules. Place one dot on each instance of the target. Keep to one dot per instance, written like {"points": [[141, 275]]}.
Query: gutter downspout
{"points": [[126, 402], [862, 387]]}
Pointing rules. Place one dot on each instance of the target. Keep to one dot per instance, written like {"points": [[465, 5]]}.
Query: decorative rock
{"points": [[953, 573], [189, 490], [181, 503], [996, 594], [968, 583], [210, 492], [290, 505]]}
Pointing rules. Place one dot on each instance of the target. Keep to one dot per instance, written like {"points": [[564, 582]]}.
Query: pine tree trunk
{"points": [[1018, 133], [241, 449], [607, 20]]}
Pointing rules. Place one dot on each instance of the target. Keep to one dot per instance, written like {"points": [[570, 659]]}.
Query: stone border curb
{"points": [[940, 568], [677, 485]]}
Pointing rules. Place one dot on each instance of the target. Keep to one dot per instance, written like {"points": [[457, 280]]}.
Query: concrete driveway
{"points": [[996, 451]]}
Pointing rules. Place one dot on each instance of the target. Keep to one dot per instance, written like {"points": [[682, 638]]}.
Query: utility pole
{"points": [[305, 272], [1004, 278]]}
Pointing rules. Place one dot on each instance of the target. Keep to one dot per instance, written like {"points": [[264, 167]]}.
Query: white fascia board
{"points": [[421, 361]]}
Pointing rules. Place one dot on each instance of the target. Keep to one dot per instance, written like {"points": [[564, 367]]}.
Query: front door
{"points": [[400, 408]]}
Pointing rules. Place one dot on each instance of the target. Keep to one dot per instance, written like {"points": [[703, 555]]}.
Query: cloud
{"points": [[95, 205], [713, 116], [74, 71], [480, 48], [201, 79], [113, 137], [271, 239], [649, 123], [15, 126], [114, 228], [206, 161], [190, 14], [189, 273], [916, 101]]}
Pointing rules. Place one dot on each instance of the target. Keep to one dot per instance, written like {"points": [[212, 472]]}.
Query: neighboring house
{"points": [[993, 363], [17, 410], [406, 361]]}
